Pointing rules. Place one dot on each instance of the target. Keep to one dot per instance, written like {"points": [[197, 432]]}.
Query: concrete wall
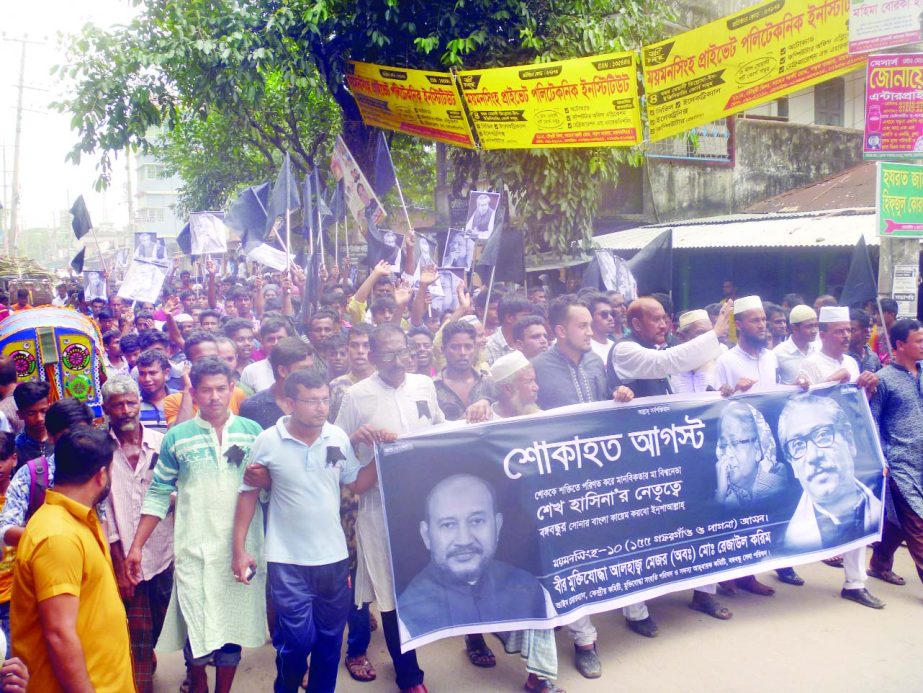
{"points": [[771, 158]]}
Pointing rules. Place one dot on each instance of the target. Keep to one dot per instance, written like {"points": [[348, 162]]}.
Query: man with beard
{"points": [[132, 470], [517, 394], [751, 366], [801, 344], [642, 362], [68, 623], [378, 409], [463, 580], [832, 364]]}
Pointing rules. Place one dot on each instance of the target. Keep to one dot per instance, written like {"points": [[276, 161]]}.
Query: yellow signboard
{"points": [[585, 102], [416, 102], [743, 60]]}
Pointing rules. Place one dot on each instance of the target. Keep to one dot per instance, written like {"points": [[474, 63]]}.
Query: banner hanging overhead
{"points": [[740, 61], [900, 200], [878, 24], [894, 106], [585, 102], [535, 521], [416, 102]]}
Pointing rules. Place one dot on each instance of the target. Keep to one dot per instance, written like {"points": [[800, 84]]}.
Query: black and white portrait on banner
{"points": [[444, 291], [482, 211], [94, 285], [461, 527], [143, 282], [459, 249], [208, 232], [425, 250], [606, 505], [150, 249]]}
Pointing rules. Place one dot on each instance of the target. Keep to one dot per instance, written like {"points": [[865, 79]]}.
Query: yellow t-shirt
{"points": [[172, 402], [64, 551], [6, 567]]}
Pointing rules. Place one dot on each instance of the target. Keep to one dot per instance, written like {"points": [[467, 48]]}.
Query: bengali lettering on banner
{"points": [[584, 102], [894, 106], [416, 102], [740, 61], [878, 24], [900, 200], [534, 521]]}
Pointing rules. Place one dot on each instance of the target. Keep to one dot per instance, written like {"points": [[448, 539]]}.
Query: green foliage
{"points": [[221, 88]]}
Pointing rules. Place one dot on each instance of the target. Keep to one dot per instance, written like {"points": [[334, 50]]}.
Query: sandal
{"points": [[888, 576], [751, 584], [360, 668], [544, 686], [834, 561], [479, 654], [710, 606]]}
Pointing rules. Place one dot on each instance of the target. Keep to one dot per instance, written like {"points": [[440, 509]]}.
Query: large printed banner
{"points": [[534, 521], [361, 201], [416, 102], [878, 24], [743, 60], [584, 102], [894, 106], [900, 200]]}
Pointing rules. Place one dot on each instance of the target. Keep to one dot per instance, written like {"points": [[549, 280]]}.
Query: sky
{"points": [[48, 184]]}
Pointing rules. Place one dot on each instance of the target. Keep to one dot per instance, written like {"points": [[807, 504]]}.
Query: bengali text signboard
{"points": [[743, 60], [900, 200], [894, 106], [416, 102], [585, 102], [878, 24], [534, 521]]}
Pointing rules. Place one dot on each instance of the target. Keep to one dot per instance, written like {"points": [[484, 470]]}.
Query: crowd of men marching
{"points": [[232, 486]]}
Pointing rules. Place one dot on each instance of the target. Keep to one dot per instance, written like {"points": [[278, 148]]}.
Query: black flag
{"points": [[652, 267], [81, 222], [247, 215], [184, 240], [283, 200], [77, 262], [385, 177], [860, 286], [505, 251]]}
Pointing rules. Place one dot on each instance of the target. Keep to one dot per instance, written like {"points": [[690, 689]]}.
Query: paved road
{"points": [[803, 639]]}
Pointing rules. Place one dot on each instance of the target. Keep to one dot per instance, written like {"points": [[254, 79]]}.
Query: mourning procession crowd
{"points": [[231, 493]]}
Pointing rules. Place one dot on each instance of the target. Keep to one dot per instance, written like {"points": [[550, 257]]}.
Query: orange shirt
{"points": [[6, 568], [172, 402]]}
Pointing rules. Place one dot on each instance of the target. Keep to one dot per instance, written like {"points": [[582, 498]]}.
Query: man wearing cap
{"points": [[517, 395], [692, 324], [801, 344], [641, 362], [751, 366], [832, 364]]}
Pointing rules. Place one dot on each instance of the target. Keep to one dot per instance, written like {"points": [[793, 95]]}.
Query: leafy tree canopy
{"points": [[220, 88]]}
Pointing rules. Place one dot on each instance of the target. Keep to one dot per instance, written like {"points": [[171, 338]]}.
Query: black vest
{"points": [[652, 387]]}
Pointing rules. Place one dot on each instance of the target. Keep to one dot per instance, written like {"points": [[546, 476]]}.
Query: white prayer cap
{"points": [[470, 319], [834, 314], [693, 316], [183, 317], [507, 365], [801, 313], [742, 305]]}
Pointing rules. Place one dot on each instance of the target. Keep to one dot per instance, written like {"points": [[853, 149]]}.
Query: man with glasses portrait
{"points": [[818, 443]]}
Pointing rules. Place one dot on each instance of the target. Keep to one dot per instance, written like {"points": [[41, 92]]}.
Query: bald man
{"points": [[463, 584], [641, 362]]}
